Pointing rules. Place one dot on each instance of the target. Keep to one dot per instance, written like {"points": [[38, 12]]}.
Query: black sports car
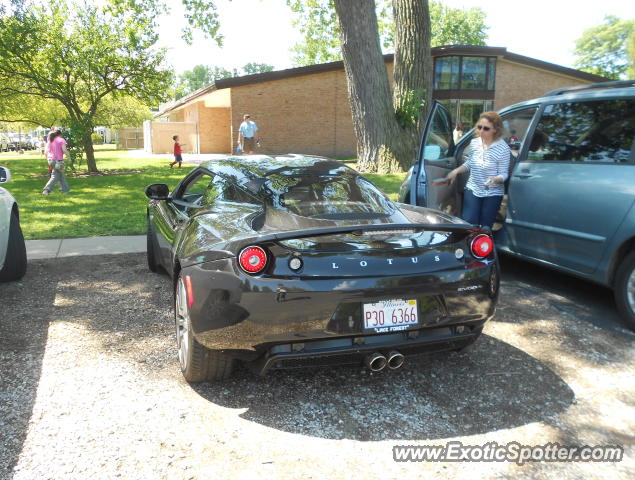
{"points": [[296, 261]]}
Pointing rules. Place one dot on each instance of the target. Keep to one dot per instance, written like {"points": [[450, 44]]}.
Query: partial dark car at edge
{"points": [[299, 261]]}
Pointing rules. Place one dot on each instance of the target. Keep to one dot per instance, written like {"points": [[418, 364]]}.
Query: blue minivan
{"points": [[570, 201]]}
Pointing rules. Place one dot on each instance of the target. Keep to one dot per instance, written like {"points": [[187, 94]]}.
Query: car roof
{"points": [[575, 95], [251, 166]]}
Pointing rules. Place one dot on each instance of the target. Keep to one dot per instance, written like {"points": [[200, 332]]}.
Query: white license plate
{"points": [[392, 315]]}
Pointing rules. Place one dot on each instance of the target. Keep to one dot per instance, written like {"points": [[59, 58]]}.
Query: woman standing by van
{"points": [[488, 165]]}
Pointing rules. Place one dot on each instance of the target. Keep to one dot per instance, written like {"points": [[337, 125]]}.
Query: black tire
{"points": [[151, 253], [624, 290], [15, 259], [198, 363]]}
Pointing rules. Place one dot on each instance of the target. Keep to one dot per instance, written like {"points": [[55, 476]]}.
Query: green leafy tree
{"points": [[121, 111], [78, 55], [603, 49], [254, 68], [317, 20], [456, 26], [631, 55], [202, 75], [30, 111]]}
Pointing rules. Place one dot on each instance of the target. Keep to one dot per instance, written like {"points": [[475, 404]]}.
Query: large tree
{"points": [[79, 55], [317, 21], [603, 49], [387, 124]]}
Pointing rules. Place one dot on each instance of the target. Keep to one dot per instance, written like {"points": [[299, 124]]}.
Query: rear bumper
{"points": [[342, 351], [281, 320]]}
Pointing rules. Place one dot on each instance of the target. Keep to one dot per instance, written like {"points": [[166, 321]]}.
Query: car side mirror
{"points": [[157, 191], [5, 175], [432, 152]]}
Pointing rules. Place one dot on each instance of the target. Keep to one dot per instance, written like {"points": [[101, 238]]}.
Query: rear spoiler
{"points": [[238, 245], [231, 249]]}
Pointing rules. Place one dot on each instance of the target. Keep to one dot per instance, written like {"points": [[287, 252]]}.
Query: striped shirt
{"points": [[483, 163]]}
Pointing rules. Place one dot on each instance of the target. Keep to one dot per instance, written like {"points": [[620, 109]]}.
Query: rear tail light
{"points": [[482, 245], [252, 259], [190, 292]]}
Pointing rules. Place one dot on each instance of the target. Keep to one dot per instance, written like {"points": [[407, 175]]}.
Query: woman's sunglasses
{"points": [[483, 127]]}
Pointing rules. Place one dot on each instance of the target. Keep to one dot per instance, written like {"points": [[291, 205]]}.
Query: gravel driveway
{"points": [[90, 388]]}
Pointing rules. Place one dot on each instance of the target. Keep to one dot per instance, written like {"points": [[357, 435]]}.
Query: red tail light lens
{"points": [[252, 259], [482, 245], [190, 292]]}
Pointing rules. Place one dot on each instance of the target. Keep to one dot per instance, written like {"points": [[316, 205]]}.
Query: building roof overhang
{"points": [[442, 51]]}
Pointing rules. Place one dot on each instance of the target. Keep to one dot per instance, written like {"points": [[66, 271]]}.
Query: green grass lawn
{"points": [[112, 204]]}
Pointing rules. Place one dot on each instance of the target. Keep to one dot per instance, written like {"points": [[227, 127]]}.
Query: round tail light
{"points": [[252, 259], [482, 245]]}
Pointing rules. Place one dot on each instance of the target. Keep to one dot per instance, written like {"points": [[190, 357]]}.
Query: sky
{"points": [[261, 31]]}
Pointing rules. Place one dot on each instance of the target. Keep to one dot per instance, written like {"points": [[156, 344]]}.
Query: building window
{"points": [[473, 73], [491, 73], [464, 73], [446, 73]]}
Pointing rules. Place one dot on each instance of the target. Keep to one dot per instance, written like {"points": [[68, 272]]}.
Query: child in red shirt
{"points": [[177, 152]]}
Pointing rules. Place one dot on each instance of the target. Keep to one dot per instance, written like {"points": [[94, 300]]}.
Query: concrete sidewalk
{"points": [[72, 247]]}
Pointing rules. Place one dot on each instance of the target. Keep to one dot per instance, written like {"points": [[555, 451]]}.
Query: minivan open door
{"points": [[436, 159]]}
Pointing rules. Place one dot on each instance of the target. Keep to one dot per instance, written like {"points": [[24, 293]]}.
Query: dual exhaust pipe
{"points": [[377, 362]]}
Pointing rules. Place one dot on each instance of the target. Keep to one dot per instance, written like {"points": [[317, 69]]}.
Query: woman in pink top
{"points": [[55, 151]]}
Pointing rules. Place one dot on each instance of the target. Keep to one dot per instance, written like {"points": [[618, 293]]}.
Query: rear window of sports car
{"points": [[338, 194]]}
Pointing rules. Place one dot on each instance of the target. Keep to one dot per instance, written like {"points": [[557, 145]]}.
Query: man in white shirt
{"points": [[247, 132]]}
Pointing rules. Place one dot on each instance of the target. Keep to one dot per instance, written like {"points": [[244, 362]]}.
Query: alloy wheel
{"points": [[630, 290]]}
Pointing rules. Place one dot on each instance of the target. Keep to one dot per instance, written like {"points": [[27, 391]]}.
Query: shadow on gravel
{"points": [[493, 386], [569, 296], [25, 310]]}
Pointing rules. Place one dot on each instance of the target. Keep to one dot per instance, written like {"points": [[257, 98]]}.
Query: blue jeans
{"points": [[480, 210]]}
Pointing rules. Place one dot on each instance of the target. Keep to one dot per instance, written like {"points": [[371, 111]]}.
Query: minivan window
{"points": [[515, 126], [593, 131]]}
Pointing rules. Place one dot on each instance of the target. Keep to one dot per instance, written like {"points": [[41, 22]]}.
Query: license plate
{"points": [[391, 315]]}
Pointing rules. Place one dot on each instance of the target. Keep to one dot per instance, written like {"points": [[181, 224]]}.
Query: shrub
{"points": [[97, 139]]}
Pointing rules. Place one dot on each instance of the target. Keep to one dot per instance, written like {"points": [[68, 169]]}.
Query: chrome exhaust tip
{"points": [[376, 362], [395, 360]]}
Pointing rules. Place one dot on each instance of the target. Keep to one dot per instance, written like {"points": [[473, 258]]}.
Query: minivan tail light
{"points": [[482, 245], [252, 259]]}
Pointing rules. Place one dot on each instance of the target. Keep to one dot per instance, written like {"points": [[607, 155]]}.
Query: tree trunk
{"points": [[412, 90], [383, 145], [87, 141]]}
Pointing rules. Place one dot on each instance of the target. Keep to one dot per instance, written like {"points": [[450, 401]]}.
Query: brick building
{"points": [[306, 109]]}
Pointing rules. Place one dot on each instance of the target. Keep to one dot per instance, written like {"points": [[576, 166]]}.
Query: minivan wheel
{"points": [[625, 290]]}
